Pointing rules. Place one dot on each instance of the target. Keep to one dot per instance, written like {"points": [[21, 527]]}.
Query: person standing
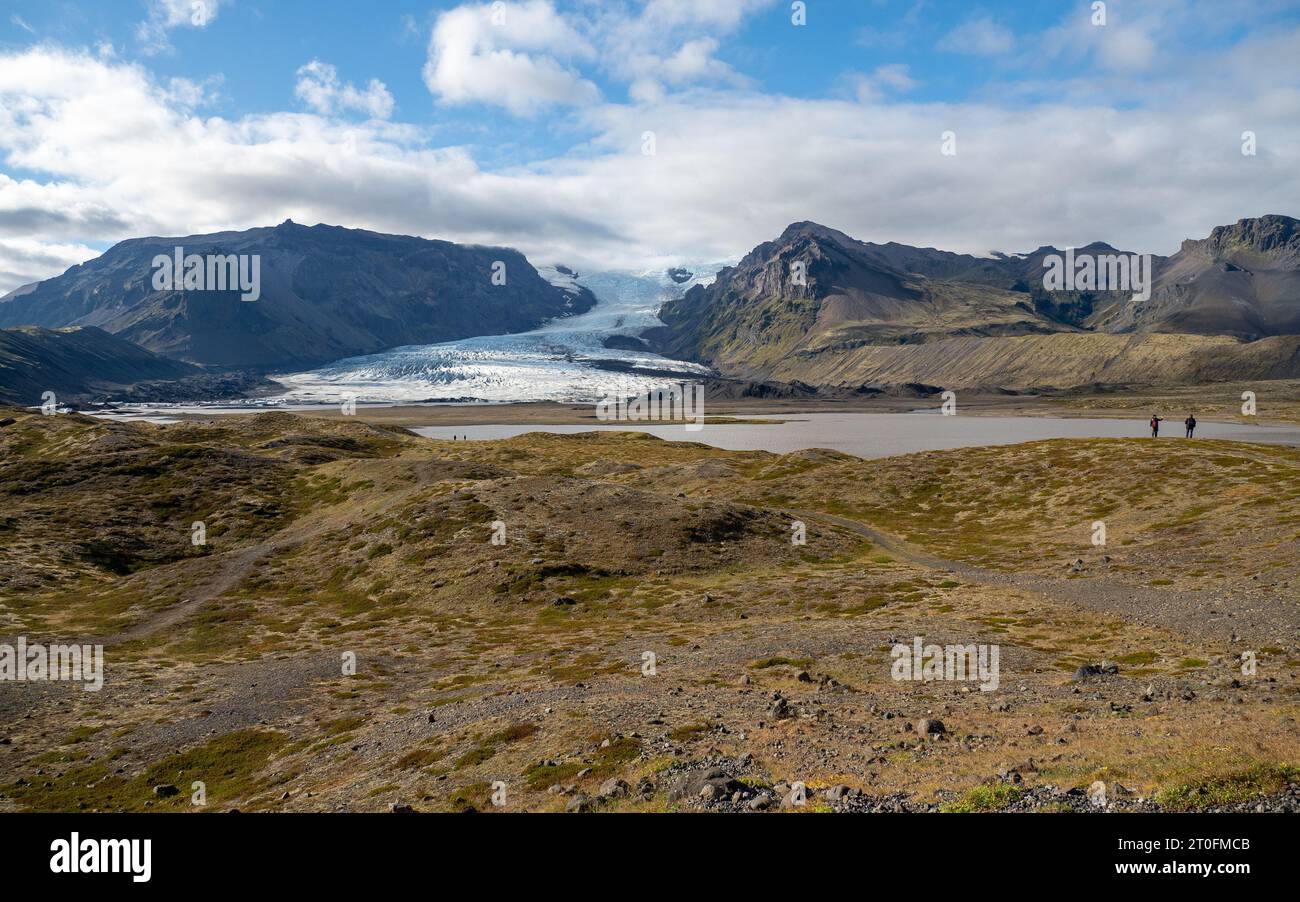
{"points": [[1155, 425], [1190, 423]]}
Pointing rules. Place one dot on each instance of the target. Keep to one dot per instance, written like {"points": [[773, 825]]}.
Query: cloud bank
{"points": [[97, 149]]}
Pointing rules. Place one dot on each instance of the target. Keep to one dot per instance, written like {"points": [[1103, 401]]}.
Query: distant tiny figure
{"points": [[1190, 423], [1155, 425]]}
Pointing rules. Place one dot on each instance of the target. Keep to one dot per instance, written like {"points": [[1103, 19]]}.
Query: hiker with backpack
{"points": [[1190, 423], [1155, 425]]}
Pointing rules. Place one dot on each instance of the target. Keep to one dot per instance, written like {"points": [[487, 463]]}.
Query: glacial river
{"points": [[888, 434]]}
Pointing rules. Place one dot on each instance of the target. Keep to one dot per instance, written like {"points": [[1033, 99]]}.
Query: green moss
{"points": [[542, 776], [689, 732], [491, 745], [985, 797], [1224, 789], [764, 663], [228, 766], [425, 756]]}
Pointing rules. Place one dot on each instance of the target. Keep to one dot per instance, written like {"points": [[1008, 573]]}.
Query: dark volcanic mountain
{"points": [[75, 364], [895, 313], [1244, 281], [326, 293]]}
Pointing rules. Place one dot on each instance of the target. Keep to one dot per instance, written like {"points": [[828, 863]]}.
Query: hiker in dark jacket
{"points": [[1190, 423], [1155, 425]]}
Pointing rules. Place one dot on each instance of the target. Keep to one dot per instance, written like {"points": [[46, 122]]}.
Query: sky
{"points": [[637, 134]]}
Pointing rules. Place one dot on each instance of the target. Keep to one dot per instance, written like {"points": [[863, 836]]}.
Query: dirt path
{"points": [[226, 578], [1203, 613], [234, 567]]}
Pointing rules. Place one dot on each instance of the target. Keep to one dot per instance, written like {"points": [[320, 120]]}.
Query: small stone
{"points": [[614, 788], [163, 790], [797, 797], [1097, 794], [930, 726]]}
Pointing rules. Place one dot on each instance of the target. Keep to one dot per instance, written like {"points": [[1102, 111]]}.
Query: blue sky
{"points": [[522, 123]]}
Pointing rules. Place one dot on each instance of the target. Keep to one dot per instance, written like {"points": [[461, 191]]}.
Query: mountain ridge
{"points": [[415, 291], [75, 363], [818, 306]]}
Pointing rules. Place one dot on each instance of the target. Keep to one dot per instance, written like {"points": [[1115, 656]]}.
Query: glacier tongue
{"points": [[563, 360]]}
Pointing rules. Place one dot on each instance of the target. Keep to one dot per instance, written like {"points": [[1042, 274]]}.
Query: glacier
{"points": [[563, 360]]}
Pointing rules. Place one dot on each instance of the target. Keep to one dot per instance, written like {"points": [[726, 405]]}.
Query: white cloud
{"points": [[525, 56], [22, 23], [1126, 49], [894, 77], [509, 54], [721, 14], [24, 260], [114, 153], [319, 87], [662, 47], [980, 36], [165, 15]]}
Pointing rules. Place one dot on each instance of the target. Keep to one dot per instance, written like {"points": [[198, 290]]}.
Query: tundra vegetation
{"points": [[524, 663]]}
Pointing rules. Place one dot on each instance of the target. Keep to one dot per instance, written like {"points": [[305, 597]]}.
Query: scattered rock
{"points": [[929, 726], [691, 785], [797, 797], [613, 788], [1097, 794], [163, 790], [1091, 670]]}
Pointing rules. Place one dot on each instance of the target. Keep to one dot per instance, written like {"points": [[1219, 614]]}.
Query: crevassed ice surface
{"points": [[556, 362]]}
